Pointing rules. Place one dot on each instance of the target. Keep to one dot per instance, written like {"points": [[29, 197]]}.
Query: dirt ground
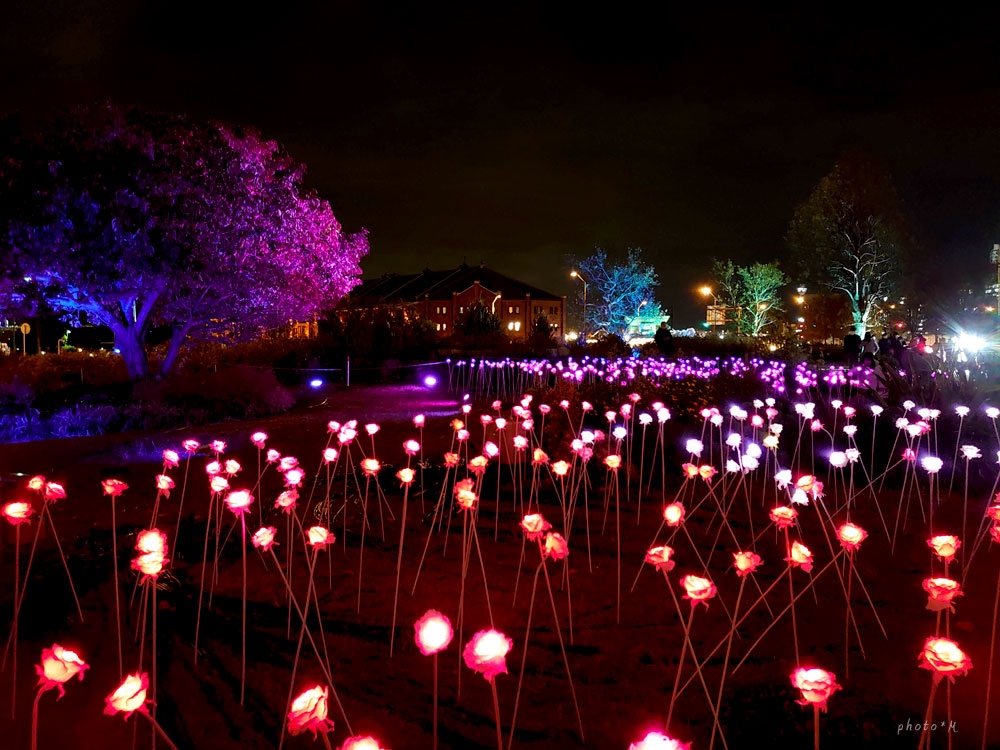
{"points": [[623, 657]]}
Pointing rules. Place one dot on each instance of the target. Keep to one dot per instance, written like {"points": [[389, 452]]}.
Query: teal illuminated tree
{"points": [[138, 220]]}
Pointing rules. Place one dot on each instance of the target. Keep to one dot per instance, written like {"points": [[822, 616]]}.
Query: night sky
{"points": [[519, 137]]}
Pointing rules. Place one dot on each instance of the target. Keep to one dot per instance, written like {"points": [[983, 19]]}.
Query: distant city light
{"points": [[969, 343]]}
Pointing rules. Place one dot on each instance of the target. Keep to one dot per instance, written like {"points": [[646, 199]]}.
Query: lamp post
{"points": [[576, 275]]}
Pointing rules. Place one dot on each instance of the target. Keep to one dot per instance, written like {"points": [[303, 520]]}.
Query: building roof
{"points": [[440, 285]]}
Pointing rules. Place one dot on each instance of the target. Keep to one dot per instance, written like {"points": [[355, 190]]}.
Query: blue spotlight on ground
{"points": [[430, 381], [316, 382]]}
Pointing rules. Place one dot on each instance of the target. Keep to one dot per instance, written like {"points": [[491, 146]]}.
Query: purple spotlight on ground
{"points": [[430, 381], [316, 383]]}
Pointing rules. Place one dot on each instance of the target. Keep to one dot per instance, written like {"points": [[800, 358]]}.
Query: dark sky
{"points": [[519, 135]]}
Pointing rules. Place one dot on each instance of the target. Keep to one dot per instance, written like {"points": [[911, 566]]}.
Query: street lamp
{"points": [[713, 310], [576, 275]]}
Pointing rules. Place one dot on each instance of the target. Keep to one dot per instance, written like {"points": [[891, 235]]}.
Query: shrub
{"points": [[234, 392]]}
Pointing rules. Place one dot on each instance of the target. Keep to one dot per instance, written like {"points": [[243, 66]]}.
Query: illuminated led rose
{"points": [[308, 712], [995, 532], [36, 483], [286, 501], [433, 632], [294, 477], [361, 742], [850, 411], [706, 472], [114, 487], [534, 526], [232, 467], [698, 589], [733, 440], [170, 459], [658, 741], [909, 454], [783, 478], [539, 457], [164, 484], [258, 439], [487, 653], [17, 512], [219, 446], [673, 514], [450, 460], [218, 484], [372, 428], [816, 425], [411, 447], [690, 471], [500, 423], [406, 475], [151, 541], [851, 536], [931, 464], [815, 685], [213, 468], [191, 446], [694, 447], [944, 657], [746, 563], [478, 465], [239, 502], [970, 451], [645, 419], [370, 466], [659, 557], [319, 537], [128, 697], [876, 410], [560, 468], [263, 538], [800, 555], [58, 667], [944, 545], [53, 492], [330, 455], [150, 565], [457, 424], [419, 420], [783, 516], [555, 547], [287, 463], [941, 592], [465, 496], [838, 459]]}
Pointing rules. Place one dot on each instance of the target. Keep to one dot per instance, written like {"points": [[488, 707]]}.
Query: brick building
{"points": [[443, 297]]}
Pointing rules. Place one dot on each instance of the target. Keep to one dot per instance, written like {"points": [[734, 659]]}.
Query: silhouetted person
{"points": [[664, 340]]}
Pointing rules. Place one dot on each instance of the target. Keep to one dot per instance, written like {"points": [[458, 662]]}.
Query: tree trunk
{"points": [[177, 337], [129, 342]]}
